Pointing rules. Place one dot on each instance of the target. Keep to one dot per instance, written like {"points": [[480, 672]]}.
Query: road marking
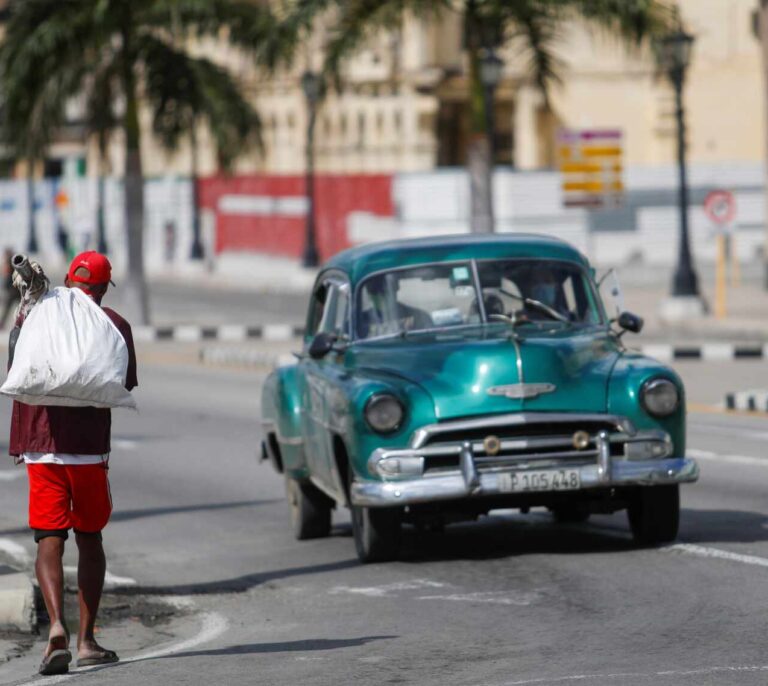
{"points": [[642, 675], [11, 474], [732, 459], [16, 551], [124, 444], [388, 589], [721, 430], [706, 551], [686, 548], [213, 625], [492, 597]]}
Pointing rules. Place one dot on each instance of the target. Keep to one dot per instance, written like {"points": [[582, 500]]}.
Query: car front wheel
{"points": [[310, 510], [376, 531], [654, 514]]}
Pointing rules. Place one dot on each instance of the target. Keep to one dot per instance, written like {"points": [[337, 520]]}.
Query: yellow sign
{"points": [[591, 164]]}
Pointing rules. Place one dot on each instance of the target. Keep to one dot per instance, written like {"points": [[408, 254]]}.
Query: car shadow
{"points": [[314, 644], [499, 536], [239, 584], [723, 526]]}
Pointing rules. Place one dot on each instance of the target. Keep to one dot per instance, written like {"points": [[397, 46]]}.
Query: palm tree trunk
{"points": [[479, 162], [763, 28], [135, 300]]}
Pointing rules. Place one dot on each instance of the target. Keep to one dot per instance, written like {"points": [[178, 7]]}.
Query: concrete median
{"points": [[17, 601]]}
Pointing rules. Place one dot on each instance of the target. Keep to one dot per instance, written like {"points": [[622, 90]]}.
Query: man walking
{"points": [[66, 450]]}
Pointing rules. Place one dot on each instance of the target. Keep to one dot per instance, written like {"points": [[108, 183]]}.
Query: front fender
{"points": [[631, 371], [360, 439], [281, 416]]}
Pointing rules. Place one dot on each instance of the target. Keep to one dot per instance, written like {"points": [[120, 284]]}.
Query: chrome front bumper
{"points": [[478, 470], [673, 470]]}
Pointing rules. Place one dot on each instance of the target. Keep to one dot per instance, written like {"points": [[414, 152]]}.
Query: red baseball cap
{"points": [[97, 265]]}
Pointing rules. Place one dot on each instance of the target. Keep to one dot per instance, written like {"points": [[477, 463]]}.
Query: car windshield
{"points": [[538, 290], [428, 297], [445, 295]]}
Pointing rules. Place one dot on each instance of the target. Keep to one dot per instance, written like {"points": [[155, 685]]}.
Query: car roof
{"points": [[365, 259]]}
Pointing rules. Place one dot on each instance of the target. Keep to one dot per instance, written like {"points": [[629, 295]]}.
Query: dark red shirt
{"points": [[72, 430]]}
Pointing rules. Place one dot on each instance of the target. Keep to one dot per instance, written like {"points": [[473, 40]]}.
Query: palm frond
{"points": [[536, 26], [183, 90], [632, 20], [358, 20], [247, 24]]}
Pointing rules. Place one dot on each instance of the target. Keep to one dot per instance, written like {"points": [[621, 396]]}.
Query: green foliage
{"points": [[534, 25], [111, 54]]}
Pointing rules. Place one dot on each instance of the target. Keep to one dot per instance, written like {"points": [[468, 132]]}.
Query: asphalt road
{"points": [[509, 600]]}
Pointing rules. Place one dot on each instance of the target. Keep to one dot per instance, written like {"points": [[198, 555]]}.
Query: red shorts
{"points": [[63, 496]]}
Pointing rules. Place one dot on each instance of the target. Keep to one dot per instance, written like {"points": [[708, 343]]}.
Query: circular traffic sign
{"points": [[720, 207]]}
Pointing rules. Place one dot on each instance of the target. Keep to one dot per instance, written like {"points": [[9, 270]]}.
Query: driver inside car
{"points": [[545, 287], [385, 314]]}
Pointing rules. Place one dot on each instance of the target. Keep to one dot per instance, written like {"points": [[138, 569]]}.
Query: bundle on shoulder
{"points": [[69, 353]]}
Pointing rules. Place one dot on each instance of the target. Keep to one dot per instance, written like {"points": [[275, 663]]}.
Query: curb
{"points": [[709, 352], [17, 601], [751, 401], [229, 332]]}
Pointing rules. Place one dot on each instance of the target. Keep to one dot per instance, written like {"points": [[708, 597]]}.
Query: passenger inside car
{"points": [[383, 313]]}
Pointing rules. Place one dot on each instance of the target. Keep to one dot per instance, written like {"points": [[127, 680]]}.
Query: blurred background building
{"points": [[401, 117]]}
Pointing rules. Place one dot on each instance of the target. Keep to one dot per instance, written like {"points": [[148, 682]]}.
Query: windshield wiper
{"points": [[546, 309]]}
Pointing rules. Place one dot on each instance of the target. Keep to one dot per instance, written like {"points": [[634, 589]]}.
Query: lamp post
{"points": [[101, 232], [491, 69], [32, 245], [674, 53], [197, 251], [310, 84]]}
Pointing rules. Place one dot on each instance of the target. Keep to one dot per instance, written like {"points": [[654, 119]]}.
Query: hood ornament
{"points": [[522, 391]]}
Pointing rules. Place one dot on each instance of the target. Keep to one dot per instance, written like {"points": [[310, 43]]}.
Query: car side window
{"points": [[335, 310], [316, 307]]}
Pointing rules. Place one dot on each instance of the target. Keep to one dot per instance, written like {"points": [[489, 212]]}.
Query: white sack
{"points": [[69, 353]]}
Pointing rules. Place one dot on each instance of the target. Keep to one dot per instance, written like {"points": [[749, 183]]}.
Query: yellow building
{"points": [[403, 105]]}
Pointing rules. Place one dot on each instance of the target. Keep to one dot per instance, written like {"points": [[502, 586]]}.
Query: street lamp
{"points": [[491, 70], [673, 53], [311, 85]]}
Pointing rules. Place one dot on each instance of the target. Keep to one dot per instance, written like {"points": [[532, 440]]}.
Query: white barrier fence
{"points": [[428, 203]]}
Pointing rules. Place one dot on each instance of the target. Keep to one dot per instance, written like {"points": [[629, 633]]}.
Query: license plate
{"points": [[548, 480]]}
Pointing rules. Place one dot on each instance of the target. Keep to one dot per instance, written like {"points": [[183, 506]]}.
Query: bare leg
{"points": [[50, 576], [90, 581]]}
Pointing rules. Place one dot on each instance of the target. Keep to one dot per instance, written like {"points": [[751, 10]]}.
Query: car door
{"points": [[323, 400]]}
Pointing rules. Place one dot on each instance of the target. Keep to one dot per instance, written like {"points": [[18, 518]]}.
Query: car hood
{"points": [[459, 371]]}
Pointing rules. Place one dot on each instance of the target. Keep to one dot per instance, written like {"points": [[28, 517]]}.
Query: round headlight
{"points": [[660, 397], [384, 413]]}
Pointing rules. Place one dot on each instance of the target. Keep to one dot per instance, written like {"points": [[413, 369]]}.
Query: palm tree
{"points": [[534, 24], [137, 55]]}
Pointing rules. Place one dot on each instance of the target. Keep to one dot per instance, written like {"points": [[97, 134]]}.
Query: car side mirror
{"points": [[630, 322], [321, 345]]}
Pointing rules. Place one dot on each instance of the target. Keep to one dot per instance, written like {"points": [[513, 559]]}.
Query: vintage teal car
{"points": [[443, 378]]}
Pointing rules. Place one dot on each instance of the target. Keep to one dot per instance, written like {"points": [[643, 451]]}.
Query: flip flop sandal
{"points": [[56, 663], [107, 657]]}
